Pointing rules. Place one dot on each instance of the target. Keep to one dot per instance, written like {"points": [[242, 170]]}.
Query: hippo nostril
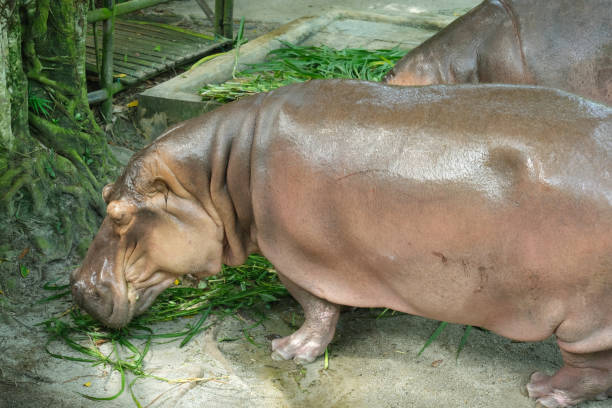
{"points": [[84, 294], [76, 293], [101, 292], [73, 275]]}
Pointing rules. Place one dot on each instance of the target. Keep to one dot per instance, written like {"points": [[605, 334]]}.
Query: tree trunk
{"points": [[54, 159]]}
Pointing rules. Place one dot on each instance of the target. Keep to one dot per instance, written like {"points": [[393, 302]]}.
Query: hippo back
{"points": [[565, 44]]}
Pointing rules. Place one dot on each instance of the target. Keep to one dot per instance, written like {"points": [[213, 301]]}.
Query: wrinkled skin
{"points": [[487, 205], [565, 44]]}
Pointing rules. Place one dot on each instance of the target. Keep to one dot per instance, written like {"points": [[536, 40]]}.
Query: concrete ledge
{"points": [[178, 97]]}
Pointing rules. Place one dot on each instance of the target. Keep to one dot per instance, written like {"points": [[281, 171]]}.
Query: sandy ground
{"points": [[373, 361]]}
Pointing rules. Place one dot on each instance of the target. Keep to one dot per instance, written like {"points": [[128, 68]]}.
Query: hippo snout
{"points": [[84, 293], [77, 287], [99, 286], [96, 299]]}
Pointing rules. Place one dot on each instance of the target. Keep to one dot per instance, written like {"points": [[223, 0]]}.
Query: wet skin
{"points": [[483, 205], [565, 44]]}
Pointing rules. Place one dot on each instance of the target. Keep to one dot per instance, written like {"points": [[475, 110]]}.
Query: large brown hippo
{"points": [[483, 205], [565, 44]]}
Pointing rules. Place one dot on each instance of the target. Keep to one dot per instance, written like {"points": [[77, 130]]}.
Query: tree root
{"points": [[15, 187], [59, 138], [49, 198], [52, 167], [7, 178]]}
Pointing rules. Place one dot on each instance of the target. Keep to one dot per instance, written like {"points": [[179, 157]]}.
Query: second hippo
{"points": [[565, 44]]}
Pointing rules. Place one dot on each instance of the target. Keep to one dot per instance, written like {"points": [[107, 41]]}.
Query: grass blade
{"points": [[326, 362], [120, 369], [130, 387], [53, 297], [463, 341], [196, 329], [433, 337]]}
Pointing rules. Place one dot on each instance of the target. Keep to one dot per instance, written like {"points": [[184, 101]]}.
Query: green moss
{"points": [[16, 81], [4, 252], [43, 245], [39, 26], [81, 248], [6, 134]]}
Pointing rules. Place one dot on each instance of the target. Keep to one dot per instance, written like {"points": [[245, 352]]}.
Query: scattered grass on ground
{"points": [[250, 286]]}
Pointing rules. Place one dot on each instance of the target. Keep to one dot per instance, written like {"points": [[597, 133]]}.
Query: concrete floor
{"points": [[283, 11]]}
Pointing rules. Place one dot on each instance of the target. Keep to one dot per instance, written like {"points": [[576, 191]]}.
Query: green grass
{"points": [[251, 286], [39, 105], [292, 64]]}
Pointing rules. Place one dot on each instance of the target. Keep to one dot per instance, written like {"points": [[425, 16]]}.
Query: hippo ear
{"points": [[106, 192]]}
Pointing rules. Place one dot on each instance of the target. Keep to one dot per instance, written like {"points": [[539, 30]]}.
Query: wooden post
{"points": [[219, 7], [94, 27], [224, 15], [106, 75], [228, 17]]}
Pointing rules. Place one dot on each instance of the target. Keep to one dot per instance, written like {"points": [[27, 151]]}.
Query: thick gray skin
{"points": [[565, 44], [488, 205]]}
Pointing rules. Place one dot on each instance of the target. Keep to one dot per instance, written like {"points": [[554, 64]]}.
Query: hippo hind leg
{"points": [[310, 340], [584, 377]]}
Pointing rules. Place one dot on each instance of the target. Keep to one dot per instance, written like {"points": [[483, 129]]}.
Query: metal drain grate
{"points": [[145, 49]]}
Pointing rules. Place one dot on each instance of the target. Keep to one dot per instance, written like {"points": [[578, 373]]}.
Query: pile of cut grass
{"points": [[292, 64]]}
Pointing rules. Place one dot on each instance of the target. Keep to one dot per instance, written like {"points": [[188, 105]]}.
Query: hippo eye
{"points": [[160, 186]]}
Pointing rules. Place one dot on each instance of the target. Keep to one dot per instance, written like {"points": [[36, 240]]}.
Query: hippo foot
{"points": [[570, 386], [310, 340], [303, 346], [545, 395]]}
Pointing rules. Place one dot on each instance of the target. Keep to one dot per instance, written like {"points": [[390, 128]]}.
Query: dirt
{"points": [[373, 361]]}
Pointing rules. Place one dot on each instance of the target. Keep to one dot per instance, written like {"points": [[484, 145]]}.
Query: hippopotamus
{"points": [[565, 44], [487, 205]]}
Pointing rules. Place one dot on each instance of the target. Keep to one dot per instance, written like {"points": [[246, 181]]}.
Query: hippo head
{"points": [[155, 231]]}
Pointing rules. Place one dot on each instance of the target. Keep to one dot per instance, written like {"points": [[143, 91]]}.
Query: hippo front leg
{"points": [[584, 377], [310, 340]]}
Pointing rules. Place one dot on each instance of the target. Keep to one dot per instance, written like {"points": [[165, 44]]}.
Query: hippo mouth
{"points": [[139, 300]]}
